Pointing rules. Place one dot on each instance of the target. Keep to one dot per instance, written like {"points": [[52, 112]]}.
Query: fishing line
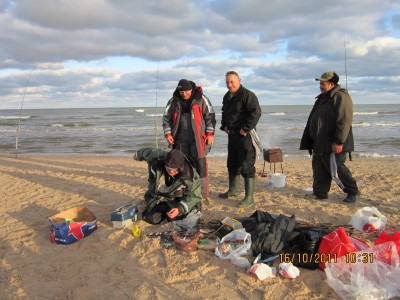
{"points": [[20, 115]]}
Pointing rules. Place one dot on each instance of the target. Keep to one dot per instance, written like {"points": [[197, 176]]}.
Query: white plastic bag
{"points": [[261, 271], [365, 274], [241, 262], [234, 244], [189, 222], [288, 270], [368, 219]]}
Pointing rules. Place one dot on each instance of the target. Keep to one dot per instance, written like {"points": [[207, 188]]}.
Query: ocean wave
{"points": [[280, 128], [363, 124], [366, 113], [277, 114], [119, 115], [368, 155], [9, 124], [154, 115], [7, 130], [91, 128], [69, 124], [15, 117], [374, 155], [7, 147], [139, 110], [377, 124]]}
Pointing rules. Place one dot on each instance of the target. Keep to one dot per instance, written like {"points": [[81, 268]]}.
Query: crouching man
{"points": [[174, 188]]}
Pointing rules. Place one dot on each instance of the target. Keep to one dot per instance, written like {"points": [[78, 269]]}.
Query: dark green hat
{"points": [[330, 76]]}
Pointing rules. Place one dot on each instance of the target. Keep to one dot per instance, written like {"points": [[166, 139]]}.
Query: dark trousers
{"points": [[186, 147], [190, 149], [322, 178], [241, 156]]}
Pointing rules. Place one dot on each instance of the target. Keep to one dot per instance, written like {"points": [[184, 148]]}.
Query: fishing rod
{"points": [[20, 115], [158, 67], [345, 60]]}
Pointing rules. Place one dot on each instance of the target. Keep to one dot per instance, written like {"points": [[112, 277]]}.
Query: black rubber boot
{"points": [[233, 191], [249, 191]]}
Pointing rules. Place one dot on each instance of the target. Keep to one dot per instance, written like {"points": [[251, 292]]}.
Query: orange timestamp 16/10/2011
{"points": [[306, 258]]}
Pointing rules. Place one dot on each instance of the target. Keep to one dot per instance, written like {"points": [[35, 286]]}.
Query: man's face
{"points": [[172, 172], [325, 86], [186, 94], [232, 83]]}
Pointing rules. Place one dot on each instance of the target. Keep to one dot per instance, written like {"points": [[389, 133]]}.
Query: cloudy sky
{"points": [[124, 53]]}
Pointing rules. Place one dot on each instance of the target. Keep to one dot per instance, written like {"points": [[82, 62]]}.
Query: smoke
{"points": [[271, 137]]}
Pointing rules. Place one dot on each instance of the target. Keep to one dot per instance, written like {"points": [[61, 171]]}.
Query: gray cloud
{"points": [[277, 47]]}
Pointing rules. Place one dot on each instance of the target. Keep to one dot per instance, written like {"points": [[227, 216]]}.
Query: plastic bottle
{"points": [[136, 231]]}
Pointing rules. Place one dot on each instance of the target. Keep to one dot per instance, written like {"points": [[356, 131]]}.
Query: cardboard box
{"points": [[124, 216], [71, 225]]}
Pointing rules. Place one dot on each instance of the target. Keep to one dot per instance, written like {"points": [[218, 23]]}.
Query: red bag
{"points": [[385, 237], [336, 244]]}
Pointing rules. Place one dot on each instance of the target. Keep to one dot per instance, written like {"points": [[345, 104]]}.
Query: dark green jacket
{"points": [[330, 121], [192, 183]]}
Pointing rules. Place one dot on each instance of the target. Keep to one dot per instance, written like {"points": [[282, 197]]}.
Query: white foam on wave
{"points": [[377, 124], [388, 124], [366, 113], [79, 124], [277, 114], [375, 155], [15, 117], [7, 130]]}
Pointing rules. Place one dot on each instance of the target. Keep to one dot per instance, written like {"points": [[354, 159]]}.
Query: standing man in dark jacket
{"points": [[240, 114], [328, 131], [189, 124]]}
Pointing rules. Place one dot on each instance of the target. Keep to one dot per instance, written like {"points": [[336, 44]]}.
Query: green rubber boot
{"points": [[249, 191], [233, 191]]}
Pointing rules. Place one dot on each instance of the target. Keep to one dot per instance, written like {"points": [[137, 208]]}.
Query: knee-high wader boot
{"points": [[233, 191], [249, 191]]}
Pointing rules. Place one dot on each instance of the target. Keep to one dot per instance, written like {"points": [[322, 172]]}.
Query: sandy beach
{"points": [[112, 264]]}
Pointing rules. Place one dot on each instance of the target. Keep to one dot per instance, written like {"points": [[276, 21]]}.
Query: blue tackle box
{"points": [[124, 216]]}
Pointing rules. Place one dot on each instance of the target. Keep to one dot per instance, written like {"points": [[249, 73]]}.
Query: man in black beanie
{"points": [[328, 137], [189, 124]]}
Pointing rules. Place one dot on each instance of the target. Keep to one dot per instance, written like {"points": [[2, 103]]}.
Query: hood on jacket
{"points": [[175, 159]]}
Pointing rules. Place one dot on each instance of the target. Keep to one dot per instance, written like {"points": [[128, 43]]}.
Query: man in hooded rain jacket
{"points": [[174, 188], [189, 124]]}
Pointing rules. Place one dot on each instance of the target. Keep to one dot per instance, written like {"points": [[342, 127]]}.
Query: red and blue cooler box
{"points": [[71, 225]]}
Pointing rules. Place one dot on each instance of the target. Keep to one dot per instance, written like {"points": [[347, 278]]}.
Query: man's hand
{"points": [[226, 130], [170, 139], [173, 213], [336, 148], [209, 139], [242, 132]]}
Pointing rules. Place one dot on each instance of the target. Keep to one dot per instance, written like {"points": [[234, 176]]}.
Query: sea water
{"points": [[121, 131]]}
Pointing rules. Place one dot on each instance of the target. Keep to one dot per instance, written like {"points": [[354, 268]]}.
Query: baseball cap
{"points": [[330, 76]]}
